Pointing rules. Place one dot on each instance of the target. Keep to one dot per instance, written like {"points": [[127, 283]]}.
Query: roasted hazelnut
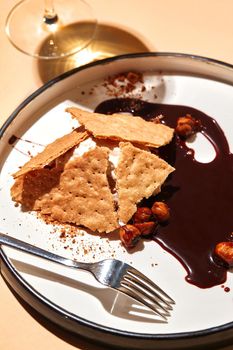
{"points": [[160, 211], [224, 250], [142, 214], [187, 126], [146, 228], [129, 235]]}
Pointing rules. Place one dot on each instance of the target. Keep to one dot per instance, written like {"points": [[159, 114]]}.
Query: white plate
{"points": [[74, 299]]}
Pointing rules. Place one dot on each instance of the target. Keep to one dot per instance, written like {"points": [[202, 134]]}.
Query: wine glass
{"points": [[51, 29]]}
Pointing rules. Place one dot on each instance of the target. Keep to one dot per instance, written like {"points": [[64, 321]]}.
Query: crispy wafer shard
{"points": [[53, 151], [76, 193], [139, 174], [123, 127]]}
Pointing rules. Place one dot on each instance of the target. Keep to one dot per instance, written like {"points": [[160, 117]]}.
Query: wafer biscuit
{"points": [[123, 127], [53, 151], [76, 193], [139, 174]]}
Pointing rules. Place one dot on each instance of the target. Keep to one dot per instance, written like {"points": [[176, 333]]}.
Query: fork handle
{"points": [[33, 250]]}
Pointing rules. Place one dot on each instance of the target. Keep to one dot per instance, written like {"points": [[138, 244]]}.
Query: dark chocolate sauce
{"points": [[13, 139], [200, 195]]}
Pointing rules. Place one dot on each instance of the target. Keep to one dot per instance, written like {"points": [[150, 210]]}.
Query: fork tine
{"points": [[128, 291], [140, 276], [151, 292], [140, 291]]}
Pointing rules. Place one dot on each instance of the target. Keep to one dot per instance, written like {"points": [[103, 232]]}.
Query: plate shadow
{"points": [[112, 301]]}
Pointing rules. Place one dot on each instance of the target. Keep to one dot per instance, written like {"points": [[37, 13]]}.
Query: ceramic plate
{"points": [[74, 299]]}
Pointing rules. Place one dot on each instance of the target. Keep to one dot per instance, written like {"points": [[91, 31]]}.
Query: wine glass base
{"points": [[30, 33], [109, 41]]}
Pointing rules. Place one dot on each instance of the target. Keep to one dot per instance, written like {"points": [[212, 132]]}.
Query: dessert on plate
{"points": [[95, 176]]}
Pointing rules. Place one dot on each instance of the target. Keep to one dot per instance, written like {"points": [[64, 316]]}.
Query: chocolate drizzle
{"points": [[200, 195]]}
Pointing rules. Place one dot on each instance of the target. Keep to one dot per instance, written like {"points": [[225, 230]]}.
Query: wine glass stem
{"points": [[50, 16]]}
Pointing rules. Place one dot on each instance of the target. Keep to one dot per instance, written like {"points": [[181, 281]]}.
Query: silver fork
{"points": [[111, 273]]}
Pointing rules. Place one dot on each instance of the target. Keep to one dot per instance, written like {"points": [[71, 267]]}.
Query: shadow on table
{"points": [[109, 41], [70, 338]]}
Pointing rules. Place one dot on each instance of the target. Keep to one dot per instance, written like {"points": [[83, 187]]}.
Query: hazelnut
{"points": [[142, 214], [225, 251], [187, 126], [129, 235], [161, 211], [146, 228]]}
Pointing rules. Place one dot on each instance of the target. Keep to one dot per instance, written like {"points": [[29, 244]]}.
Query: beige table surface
{"points": [[201, 27]]}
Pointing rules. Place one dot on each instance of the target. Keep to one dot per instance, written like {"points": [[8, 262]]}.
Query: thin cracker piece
{"points": [[124, 127], [29, 188], [80, 194], [53, 151], [139, 174]]}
